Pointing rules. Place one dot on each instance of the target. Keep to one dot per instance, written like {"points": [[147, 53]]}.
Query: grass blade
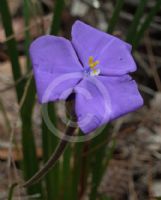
{"points": [[50, 142], [146, 23], [26, 13], [11, 191], [135, 23], [11, 46], [110, 151], [67, 178], [97, 164], [30, 163], [85, 170], [55, 26], [26, 113], [115, 15], [78, 150]]}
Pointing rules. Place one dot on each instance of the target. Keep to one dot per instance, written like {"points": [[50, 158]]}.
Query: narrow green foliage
{"points": [[26, 11], [136, 21], [11, 46], [97, 165], [85, 169], [50, 142], [55, 26], [146, 23], [11, 191], [67, 171], [110, 151], [78, 154], [115, 16], [30, 162], [106, 198]]}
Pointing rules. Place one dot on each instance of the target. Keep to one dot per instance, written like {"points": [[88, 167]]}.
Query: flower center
{"points": [[92, 69]]}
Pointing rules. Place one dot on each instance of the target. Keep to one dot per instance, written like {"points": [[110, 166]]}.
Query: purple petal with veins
{"points": [[95, 66]]}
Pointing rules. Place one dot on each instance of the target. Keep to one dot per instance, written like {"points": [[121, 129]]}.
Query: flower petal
{"points": [[102, 99], [56, 67], [113, 54], [115, 59], [124, 94], [92, 104]]}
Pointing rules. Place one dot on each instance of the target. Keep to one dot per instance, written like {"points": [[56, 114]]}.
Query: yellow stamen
{"points": [[91, 62]]}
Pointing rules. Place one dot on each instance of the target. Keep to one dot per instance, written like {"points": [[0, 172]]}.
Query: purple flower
{"points": [[95, 66]]}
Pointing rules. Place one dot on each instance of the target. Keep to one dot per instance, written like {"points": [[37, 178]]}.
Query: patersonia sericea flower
{"points": [[95, 66]]}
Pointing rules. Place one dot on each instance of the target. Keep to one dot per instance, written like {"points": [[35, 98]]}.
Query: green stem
{"points": [[52, 160], [30, 162], [50, 142], [76, 169], [98, 162], [110, 151], [67, 178], [136, 21], [26, 10], [11, 46], [85, 169], [146, 23], [115, 15], [59, 5], [11, 191]]}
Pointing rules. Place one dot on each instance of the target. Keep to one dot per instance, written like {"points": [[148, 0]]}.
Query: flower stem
{"points": [[52, 160]]}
